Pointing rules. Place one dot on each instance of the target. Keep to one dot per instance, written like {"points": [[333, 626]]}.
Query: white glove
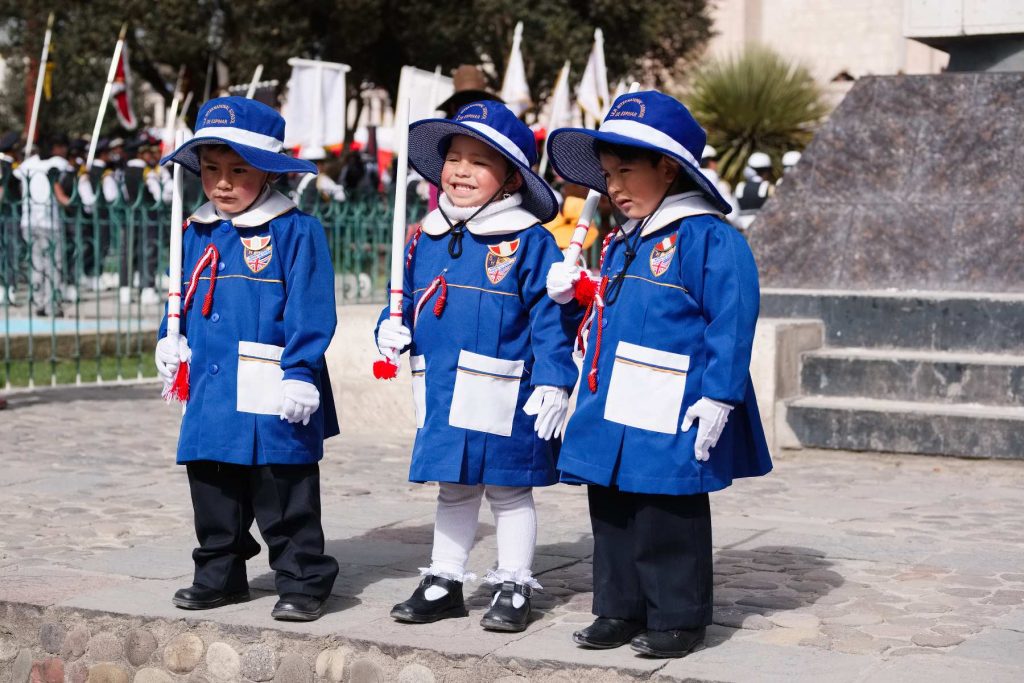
{"points": [[549, 404], [561, 281], [393, 335], [299, 400], [170, 352], [711, 417]]}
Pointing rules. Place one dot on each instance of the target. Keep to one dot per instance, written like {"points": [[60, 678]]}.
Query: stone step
{"points": [[940, 321], [867, 424], [914, 375]]}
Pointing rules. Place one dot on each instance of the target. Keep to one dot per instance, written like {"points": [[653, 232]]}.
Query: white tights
{"points": [[515, 521]]}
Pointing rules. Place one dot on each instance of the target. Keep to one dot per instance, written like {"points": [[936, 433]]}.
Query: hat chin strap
{"points": [[458, 229]]}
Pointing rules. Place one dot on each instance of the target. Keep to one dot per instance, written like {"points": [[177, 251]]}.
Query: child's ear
{"points": [[670, 169], [515, 182]]}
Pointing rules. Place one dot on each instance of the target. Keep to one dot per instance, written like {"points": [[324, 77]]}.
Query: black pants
{"points": [[285, 502], [652, 558]]}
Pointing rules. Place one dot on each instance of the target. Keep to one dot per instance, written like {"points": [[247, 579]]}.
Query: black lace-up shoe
{"points": [[201, 597], [669, 643], [298, 607], [606, 633], [503, 614], [419, 610]]}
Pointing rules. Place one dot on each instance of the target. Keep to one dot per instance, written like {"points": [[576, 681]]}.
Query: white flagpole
{"points": [[398, 224], [171, 125], [254, 82], [40, 78], [106, 96], [572, 252], [556, 113], [174, 253]]}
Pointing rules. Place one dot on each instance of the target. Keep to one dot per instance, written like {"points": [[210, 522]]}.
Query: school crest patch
{"points": [[661, 255], [500, 259], [258, 252]]}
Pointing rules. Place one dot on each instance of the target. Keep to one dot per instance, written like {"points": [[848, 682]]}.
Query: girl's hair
{"points": [[631, 154]]}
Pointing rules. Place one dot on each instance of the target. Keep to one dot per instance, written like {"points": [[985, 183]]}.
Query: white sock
{"points": [[458, 512], [515, 521]]}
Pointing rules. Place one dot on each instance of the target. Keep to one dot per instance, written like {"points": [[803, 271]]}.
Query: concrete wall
{"points": [[861, 37]]}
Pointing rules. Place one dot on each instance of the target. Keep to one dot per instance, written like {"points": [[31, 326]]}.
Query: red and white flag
{"points": [[121, 92]]}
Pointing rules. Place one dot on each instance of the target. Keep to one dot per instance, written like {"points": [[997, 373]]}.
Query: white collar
{"points": [[5, 157], [136, 163], [269, 206], [500, 218], [675, 207]]}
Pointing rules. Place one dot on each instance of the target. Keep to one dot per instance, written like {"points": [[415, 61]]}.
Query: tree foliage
{"points": [[648, 38], [757, 101]]}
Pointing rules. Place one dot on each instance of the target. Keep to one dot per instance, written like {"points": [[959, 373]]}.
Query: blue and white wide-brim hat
{"points": [[649, 120], [251, 128], [495, 125]]}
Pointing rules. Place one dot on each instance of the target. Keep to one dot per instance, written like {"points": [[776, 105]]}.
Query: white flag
{"points": [[423, 90], [592, 94], [558, 111], [314, 112], [514, 89]]}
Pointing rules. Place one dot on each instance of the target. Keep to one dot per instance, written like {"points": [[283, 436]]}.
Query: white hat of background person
{"points": [[759, 160], [495, 125], [314, 153], [709, 153], [648, 120], [790, 158]]}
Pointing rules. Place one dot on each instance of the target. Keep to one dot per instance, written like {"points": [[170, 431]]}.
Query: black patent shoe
{"points": [[298, 607], [503, 614], [607, 632], [201, 597], [419, 610], [669, 643]]}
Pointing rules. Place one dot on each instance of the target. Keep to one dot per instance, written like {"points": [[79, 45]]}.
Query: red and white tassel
{"points": [[209, 258]]}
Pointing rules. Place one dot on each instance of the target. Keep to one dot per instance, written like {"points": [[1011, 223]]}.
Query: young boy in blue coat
{"points": [[490, 353], [666, 411], [258, 314]]}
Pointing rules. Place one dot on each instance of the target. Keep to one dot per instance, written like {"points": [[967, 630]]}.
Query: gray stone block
{"points": [[912, 183], [860, 424], [931, 376], [984, 323]]}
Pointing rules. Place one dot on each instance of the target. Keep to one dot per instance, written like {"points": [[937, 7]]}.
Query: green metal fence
{"points": [[82, 283]]}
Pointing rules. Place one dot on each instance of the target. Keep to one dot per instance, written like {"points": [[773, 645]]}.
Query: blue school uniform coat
{"points": [[498, 338], [272, 319], [681, 328]]}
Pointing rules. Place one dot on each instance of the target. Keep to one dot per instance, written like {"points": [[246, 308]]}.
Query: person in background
{"points": [[41, 222], [709, 167], [10, 194], [752, 193]]}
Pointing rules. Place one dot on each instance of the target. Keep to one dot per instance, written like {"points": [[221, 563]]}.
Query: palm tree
{"points": [[756, 101]]}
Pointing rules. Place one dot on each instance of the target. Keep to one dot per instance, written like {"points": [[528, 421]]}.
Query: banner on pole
{"points": [[121, 92], [514, 88], [592, 94], [315, 110], [423, 90]]}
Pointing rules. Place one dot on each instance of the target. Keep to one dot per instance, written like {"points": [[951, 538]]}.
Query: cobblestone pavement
{"points": [[843, 565]]}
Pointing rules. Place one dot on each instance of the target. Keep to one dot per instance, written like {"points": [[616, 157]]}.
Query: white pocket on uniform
{"points": [[259, 378], [646, 388], [418, 365], [486, 393]]}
